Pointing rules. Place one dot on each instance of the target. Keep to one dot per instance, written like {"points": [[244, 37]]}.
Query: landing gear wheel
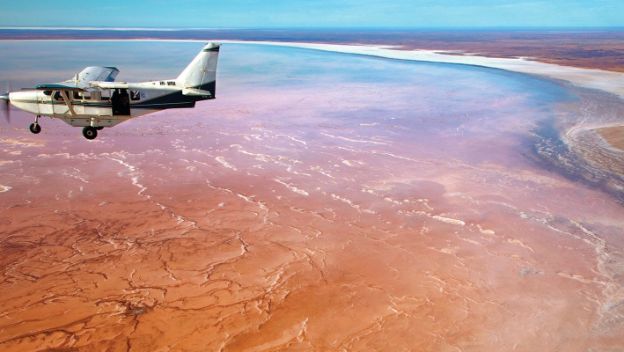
{"points": [[35, 128], [89, 132], [99, 128]]}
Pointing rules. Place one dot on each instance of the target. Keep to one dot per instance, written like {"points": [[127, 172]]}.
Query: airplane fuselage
{"points": [[104, 107]]}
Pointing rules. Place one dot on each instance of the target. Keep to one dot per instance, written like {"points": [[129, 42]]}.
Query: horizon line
{"points": [[174, 29]]}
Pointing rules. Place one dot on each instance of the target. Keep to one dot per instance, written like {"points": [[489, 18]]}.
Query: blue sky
{"points": [[314, 13]]}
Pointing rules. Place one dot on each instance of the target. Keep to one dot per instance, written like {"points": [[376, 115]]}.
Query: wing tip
{"points": [[212, 46]]}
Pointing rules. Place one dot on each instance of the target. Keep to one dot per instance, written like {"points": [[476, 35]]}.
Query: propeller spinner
{"points": [[6, 106]]}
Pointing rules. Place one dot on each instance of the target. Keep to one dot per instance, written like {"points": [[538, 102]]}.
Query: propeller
{"points": [[6, 105]]}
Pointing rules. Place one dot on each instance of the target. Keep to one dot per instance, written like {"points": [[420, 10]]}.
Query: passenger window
{"points": [[105, 94], [81, 95]]}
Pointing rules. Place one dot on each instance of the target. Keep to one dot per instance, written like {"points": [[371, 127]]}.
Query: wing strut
{"points": [[67, 101]]}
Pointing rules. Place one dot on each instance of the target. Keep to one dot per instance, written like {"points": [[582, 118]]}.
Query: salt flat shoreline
{"points": [[607, 81]]}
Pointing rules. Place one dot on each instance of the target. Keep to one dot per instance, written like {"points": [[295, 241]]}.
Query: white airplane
{"points": [[93, 100]]}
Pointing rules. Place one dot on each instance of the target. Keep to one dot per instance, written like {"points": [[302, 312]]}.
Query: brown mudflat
{"points": [[613, 135], [595, 49]]}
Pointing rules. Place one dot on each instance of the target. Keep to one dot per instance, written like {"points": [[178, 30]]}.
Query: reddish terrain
{"points": [[285, 219]]}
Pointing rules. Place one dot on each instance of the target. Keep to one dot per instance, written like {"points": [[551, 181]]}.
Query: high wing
{"points": [[81, 80]]}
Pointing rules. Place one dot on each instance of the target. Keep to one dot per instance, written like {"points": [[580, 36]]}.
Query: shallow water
{"points": [[322, 202]]}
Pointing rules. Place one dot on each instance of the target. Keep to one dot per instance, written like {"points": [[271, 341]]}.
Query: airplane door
{"points": [[58, 104], [120, 100]]}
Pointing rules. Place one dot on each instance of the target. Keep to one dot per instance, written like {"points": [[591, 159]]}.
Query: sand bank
{"points": [[613, 135]]}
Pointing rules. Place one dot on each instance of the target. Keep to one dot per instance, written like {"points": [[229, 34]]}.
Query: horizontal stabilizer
{"points": [[193, 92]]}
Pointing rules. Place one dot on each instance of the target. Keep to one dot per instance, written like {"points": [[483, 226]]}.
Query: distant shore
{"points": [[598, 48]]}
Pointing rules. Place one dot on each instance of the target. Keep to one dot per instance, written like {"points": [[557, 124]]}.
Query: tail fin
{"points": [[200, 76]]}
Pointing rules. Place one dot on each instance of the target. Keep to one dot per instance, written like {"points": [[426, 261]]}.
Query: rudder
{"points": [[201, 74]]}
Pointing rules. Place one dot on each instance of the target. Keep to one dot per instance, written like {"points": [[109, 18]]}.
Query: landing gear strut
{"points": [[35, 127], [89, 132]]}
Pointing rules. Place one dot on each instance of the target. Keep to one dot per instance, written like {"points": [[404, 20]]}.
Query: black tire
{"points": [[99, 128], [35, 128], [89, 132]]}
